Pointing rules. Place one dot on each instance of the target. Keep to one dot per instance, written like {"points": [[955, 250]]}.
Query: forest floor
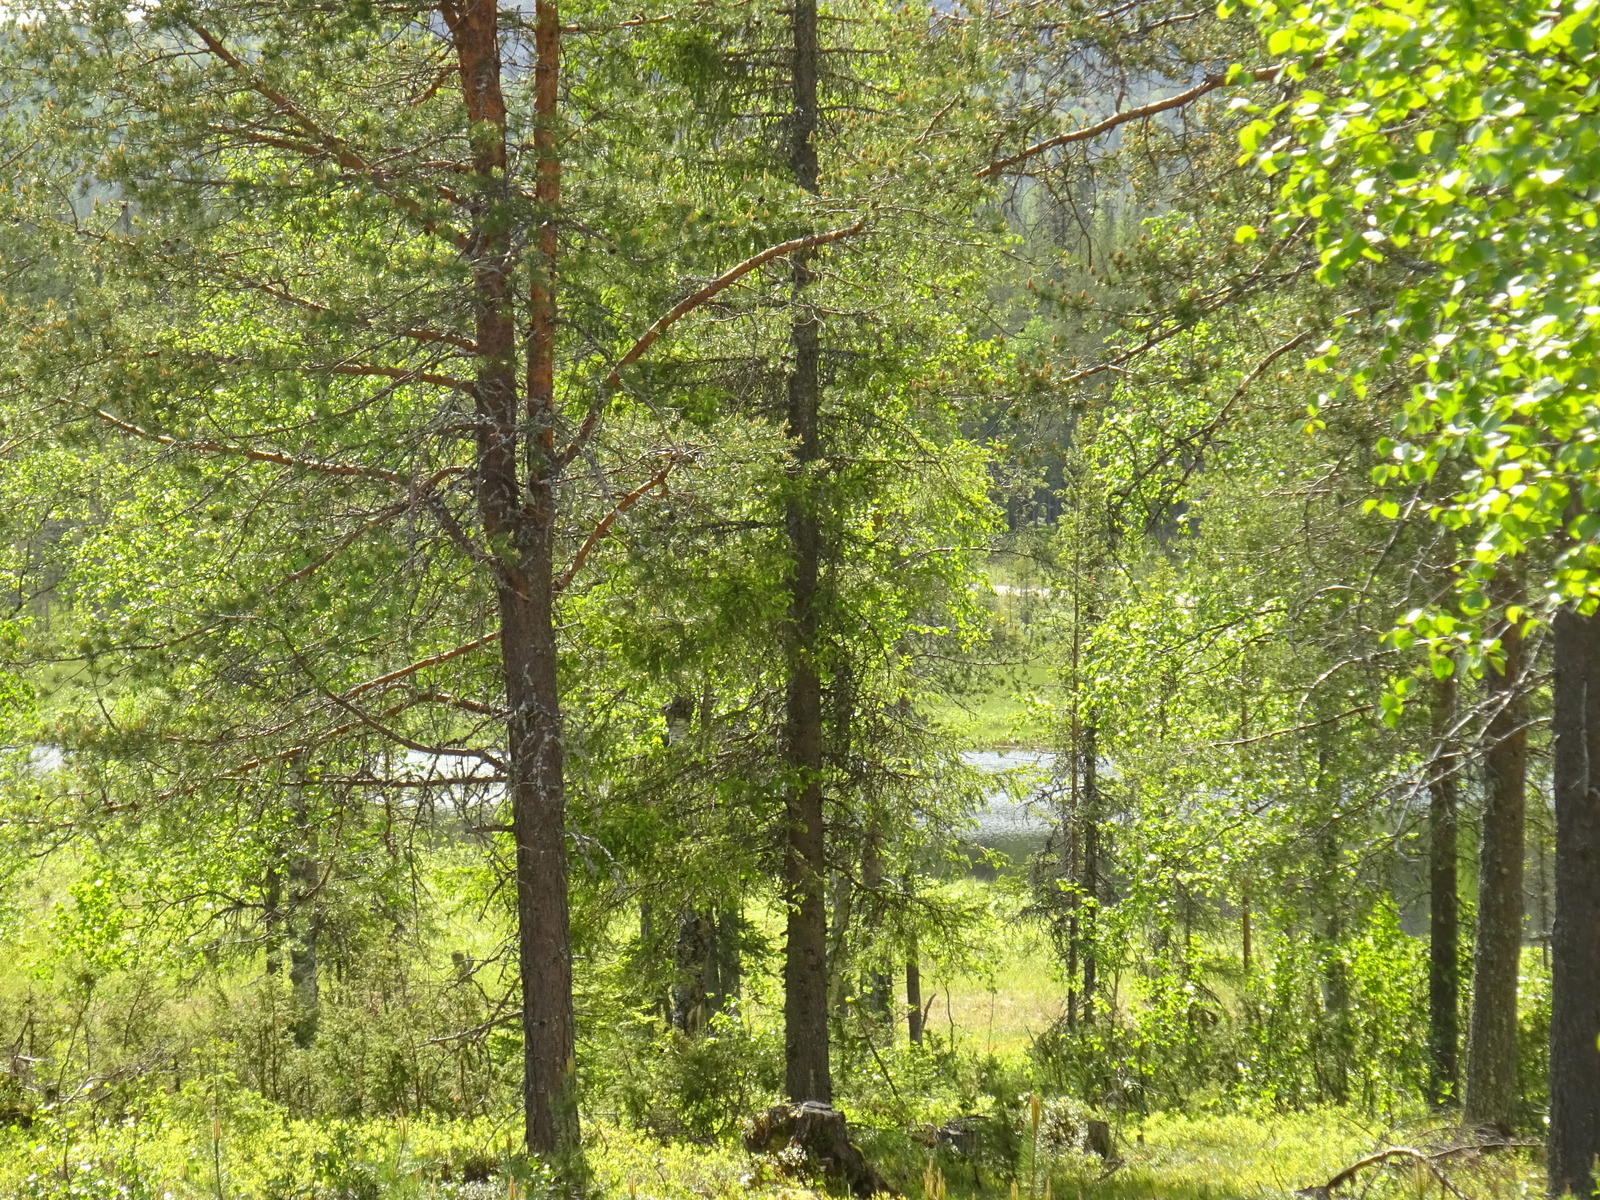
{"points": [[228, 1144], [1159, 1157], [217, 1140]]}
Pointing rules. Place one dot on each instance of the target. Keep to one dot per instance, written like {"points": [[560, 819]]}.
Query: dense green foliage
{"points": [[1214, 458]]}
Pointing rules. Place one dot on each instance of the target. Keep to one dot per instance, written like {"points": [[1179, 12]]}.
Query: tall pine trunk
{"points": [[805, 968], [1444, 985], [538, 808], [1491, 1084], [1574, 1138], [522, 520]]}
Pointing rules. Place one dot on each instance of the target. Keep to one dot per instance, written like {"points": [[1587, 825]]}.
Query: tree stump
{"points": [[817, 1136]]}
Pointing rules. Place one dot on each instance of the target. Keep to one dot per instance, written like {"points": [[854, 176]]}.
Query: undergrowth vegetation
{"points": [[958, 598], [139, 1077]]}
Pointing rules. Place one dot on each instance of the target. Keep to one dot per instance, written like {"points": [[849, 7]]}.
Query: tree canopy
{"points": [[594, 567]]}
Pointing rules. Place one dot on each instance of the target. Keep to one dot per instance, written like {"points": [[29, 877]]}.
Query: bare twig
{"points": [[682, 309], [476, 1030], [603, 528], [1209, 84], [207, 446], [1430, 1161]]}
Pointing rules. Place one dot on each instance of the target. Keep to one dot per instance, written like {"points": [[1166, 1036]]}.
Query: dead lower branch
{"points": [[1428, 1160], [682, 309], [603, 528], [1209, 84], [207, 446]]}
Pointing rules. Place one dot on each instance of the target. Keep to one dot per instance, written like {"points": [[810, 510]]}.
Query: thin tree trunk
{"points": [[840, 914], [691, 961], [726, 963], [1443, 933], [1335, 973], [1091, 867], [706, 958], [1244, 926], [1072, 973], [699, 949], [913, 993], [805, 969], [523, 520], [1574, 1138], [879, 984], [272, 919], [1491, 1084], [1067, 862], [305, 930]]}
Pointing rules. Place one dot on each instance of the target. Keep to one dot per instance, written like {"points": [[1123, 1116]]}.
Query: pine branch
{"points": [[207, 446], [403, 374], [1209, 84], [416, 334], [602, 529], [682, 309], [331, 144], [421, 665]]}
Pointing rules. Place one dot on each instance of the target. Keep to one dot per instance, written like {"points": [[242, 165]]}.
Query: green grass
{"points": [[258, 1156], [1008, 1000], [1001, 713], [215, 1140]]}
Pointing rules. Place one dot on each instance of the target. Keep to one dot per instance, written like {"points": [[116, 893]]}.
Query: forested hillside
{"points": [[827, 597]]}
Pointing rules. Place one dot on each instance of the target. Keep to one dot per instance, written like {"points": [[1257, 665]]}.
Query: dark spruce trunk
{"points": [[913, 993], [805, 967], [1490, 1096], [520, 522], [878, 985], [1444, 984], [305, 932], [1574, 1138]]}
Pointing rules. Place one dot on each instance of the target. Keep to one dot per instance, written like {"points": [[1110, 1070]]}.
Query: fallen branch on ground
{"points": [[1428, 1160]]}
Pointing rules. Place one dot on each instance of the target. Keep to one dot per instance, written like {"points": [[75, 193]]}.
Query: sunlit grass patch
{"points": [[177, 1152]]}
